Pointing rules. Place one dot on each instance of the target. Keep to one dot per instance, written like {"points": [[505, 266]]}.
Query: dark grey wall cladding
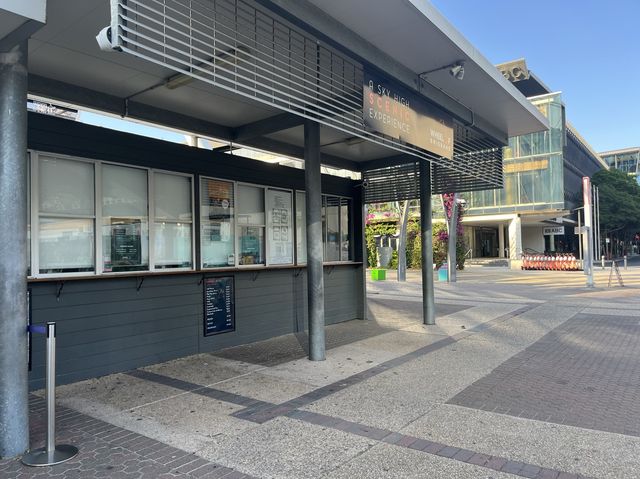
{"points": [[108, 325]]}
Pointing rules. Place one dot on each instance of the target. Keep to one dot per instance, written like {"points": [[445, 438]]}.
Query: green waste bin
{"points": [[443, 273], [378, 274]]}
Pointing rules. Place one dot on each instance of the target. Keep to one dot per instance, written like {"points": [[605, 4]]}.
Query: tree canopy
{"points": [[619, 202]]}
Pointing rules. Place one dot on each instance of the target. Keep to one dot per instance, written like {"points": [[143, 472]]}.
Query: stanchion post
{"points": [[625, 261], [51, 454], [602, 261]]}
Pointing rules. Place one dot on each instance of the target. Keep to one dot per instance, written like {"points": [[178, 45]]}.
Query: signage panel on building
{"points": [[553, 230], [400, 114], [514, 71], [219, 305]]}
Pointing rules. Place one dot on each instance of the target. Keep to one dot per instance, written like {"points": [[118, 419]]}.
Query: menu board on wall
{"points": [[280, 231], [219, 305]]}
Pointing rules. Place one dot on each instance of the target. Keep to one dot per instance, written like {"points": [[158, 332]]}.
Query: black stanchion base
{"points": [[42, 457]]}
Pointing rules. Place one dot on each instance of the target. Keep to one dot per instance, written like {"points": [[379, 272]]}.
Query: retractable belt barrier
{"points": [[51, 453]]}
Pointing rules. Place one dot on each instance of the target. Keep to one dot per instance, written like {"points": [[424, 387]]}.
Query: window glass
{"points": [[124, 191], [172, 221], [279, 228], [66, 186], [28, 214], [345, 246], [172, 243], [250, 219], [301, 227], [251, 240], [332, 221], [66, 221], [125, 219], [172, 197], [217, 208], [250, 205], [66, 245]]}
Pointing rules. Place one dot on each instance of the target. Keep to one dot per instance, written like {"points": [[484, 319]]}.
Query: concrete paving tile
{"points": [[399, 342], [203, 369], [340, 363], [194, 415], [287, 448], [558, 447], [392, 462], [265, 387], [111, 394]]}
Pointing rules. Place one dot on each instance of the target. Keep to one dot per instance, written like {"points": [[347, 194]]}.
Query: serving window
{"points": [[65, 216], [95, 217]]}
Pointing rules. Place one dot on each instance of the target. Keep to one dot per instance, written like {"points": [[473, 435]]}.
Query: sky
{"points": [[587, 49]]}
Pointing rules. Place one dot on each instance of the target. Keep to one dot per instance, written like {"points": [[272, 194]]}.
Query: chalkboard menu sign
{"points": [[219, 305]]}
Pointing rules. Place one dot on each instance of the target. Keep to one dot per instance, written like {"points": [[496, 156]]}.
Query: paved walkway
{"points": [[526, 374]]}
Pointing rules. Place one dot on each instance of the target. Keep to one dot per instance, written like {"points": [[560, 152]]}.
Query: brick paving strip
{"points": [[466, 456], [108, 451]]}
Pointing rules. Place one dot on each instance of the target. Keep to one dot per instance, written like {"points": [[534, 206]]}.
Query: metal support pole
{"points": [[426, 231], [452, 260], [588, 235], [594, 237], [599, 238], [51, 453], [402, 243], [315, 273], [14, 414], [580, 240]]}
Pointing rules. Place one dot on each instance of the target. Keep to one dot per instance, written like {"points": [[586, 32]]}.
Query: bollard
{"points": [[50, 454], [625, 261], [602, 260]]}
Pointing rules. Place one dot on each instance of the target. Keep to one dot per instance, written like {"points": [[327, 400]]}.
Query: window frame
{"points": [[238, 225], [233, 230], [97, 217], [153, 220], [34, 158], [292, 215], [101, 270], [349, 227]]}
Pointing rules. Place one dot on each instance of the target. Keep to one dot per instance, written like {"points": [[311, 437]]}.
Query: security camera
{"points": [[457, 71], [104, 39]]}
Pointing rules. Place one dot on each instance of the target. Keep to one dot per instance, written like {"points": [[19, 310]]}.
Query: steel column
{"points": [[14, 418], [501, 240], [426, 230], [452, 260], [315, 274]]}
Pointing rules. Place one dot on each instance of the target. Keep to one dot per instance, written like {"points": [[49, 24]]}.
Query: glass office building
{"points": [[626, 160], [542, 184], [533, 168]]}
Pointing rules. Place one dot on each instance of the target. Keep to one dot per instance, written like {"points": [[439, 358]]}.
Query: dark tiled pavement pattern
{"points": [[584, 373], [109, 452]]}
